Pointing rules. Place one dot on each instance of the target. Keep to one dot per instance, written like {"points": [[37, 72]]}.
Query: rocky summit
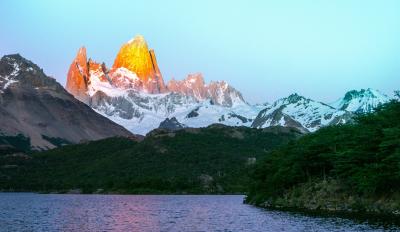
{"points": [[136, 57]]}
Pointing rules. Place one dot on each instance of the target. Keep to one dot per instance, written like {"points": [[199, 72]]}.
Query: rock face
{"points": [[36, 106], [137, 58], [218, 92], [78, 76]]}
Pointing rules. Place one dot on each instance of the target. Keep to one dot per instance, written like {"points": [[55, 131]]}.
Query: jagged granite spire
{"points": [[136, 57], [78, 76]]}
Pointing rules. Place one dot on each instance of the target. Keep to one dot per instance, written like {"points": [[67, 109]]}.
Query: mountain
{"points": [[362, 101], [302, 113], [133, 94], [36, 110]]}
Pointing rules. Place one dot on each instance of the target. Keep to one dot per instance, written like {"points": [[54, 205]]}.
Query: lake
{"points": [[57, 212]]}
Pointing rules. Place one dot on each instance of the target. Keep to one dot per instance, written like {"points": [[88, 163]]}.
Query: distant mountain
{"points": [[362, 101], [302, 113], [37, 111]]}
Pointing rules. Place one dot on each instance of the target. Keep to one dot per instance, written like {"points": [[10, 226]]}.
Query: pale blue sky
{"points": [[266, 49]]}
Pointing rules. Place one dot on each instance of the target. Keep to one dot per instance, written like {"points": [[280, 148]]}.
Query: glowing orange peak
{"points": [[136, 57]]}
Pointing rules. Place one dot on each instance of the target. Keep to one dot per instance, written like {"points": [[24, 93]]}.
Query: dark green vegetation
{"points": [[58, 142], [18, 143], [216, 159], [340, 168]]}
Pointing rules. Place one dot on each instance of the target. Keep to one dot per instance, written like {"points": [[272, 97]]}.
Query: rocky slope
{"points": [[37, 107]]}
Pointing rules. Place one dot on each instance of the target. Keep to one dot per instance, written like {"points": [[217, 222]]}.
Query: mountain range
{"points": [[133, 94], [132, 98]]}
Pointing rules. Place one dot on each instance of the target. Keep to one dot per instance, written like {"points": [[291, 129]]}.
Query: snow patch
{"points": [[9, 79]]}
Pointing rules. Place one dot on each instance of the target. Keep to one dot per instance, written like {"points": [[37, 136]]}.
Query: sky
{"points": [[265, 49]]}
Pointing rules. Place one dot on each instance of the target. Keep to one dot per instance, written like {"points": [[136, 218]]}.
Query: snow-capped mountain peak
{"points": [[360, 101], [300, 112]]}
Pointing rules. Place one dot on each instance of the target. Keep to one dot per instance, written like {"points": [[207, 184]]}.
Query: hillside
{"points": [[347, 168], [37, 113], [215, 159]]}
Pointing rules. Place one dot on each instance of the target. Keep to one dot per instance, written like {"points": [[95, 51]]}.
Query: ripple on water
{"points": [[36, 212]]}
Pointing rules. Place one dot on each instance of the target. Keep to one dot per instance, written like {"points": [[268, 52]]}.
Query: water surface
{"points": [[39, 212]]}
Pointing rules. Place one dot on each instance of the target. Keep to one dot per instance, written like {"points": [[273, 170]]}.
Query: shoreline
{"points": [[358, 216]]}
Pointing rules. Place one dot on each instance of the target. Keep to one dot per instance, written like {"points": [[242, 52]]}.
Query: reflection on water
{"points": [[36, 212]]}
